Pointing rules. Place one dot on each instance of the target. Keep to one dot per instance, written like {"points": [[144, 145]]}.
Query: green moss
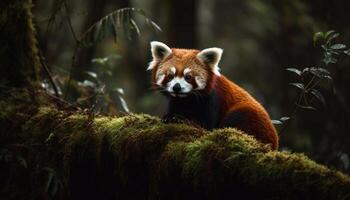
{"points": [[137, 156], [209, 165]]}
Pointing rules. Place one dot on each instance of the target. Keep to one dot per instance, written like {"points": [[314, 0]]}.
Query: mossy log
{"points": [[138, 157]]}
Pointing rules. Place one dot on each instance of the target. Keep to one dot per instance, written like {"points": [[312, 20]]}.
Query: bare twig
{"points": [[294, 113], [71, 70], [60, 100], [47, 71], [57, 6], [69, 22]]}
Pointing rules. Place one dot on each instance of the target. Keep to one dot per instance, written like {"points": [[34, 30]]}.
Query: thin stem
{"points": [[305, 99], [314, 85], [71, 70], [47, 71], [69, 21], [308, 84], [294, 113]]}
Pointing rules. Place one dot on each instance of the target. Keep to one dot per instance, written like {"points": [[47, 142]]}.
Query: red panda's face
{"points": [[180, 76], [180, 72]]}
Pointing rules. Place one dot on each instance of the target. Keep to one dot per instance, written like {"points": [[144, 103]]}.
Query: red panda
{"points": [[198, 92]]}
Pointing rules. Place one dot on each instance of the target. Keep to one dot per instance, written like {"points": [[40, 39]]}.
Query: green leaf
{"points": [[338, 46], [120, 92], [319, 36], [305, 70], [109, 25], [298, 85], [87, 83], [328, 59], [347, 52], [333, 60], [296, 71], [331, 37], [154, 25], [134, 25], [319, 71], [334, 51], [329, 33], [101, 61], [324, 47], [91, 74], [49, 137], [306, 107], [124, 104], [319, 96], [284, 119], [329, 78], [276, 122]]}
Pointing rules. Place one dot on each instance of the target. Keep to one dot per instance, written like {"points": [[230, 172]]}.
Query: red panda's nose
{"points": [[177, 88]]}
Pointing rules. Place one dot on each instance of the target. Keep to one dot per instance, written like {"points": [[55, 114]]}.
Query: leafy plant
{"points": [[331, 49], [98, 81], [311, 79], [93, 93]]}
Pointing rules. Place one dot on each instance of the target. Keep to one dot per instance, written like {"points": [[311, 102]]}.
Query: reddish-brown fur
{"points": [[235, 102], [256, 121]]}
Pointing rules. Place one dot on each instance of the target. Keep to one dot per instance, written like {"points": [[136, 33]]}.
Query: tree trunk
{"points": [[182, 27], [18, 50]]}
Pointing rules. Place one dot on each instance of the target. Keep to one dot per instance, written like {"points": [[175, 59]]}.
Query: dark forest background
{"points": [[260, 40]]}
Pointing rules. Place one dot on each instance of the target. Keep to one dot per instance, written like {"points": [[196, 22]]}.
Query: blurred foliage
{"points": [[93, 93]]}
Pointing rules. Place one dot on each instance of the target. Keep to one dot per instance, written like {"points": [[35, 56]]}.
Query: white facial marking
{"points": [[185, 86], [200, 82], [160, 79], [187, 70], [173, 70]]}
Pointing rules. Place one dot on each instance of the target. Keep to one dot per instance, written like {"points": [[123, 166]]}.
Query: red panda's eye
{"points": [[188, 77], [170, 76]]}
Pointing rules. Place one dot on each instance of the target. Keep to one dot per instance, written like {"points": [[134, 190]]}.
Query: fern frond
{"points": [[111, 24]]}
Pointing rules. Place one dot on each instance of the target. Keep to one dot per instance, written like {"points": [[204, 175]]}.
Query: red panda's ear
{"points": [[159, 52], [211, 57]]}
